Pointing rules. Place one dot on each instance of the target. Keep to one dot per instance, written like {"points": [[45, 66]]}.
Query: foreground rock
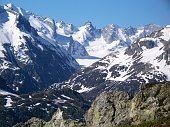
{"points": [[118, 108]]}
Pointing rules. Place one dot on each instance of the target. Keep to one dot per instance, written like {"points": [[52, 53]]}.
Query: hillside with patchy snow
{"points": [[147, 60]]}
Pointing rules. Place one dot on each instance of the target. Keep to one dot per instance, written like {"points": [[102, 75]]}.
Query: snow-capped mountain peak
{"points": [[166, 33], [27, 42], [11, 7], [66, 29]]}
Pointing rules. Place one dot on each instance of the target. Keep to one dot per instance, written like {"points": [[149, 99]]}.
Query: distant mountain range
{"points": [[36, 51], [45, 65], [147, 60]]}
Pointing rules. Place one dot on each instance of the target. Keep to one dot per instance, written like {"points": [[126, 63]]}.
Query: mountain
{"points": [[42, 104], [145, 61], [97, 43], [101, 42], [37, 51], [29, 59], [32, 45], [87, 44]]}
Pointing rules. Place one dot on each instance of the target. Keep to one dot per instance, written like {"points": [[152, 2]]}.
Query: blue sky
{"points": [[101, 12]]}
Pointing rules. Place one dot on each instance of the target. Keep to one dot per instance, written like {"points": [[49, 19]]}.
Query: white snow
{"points": [[99, 48], [66, 97], [86, 62], [121, 34], [8, 101], [37, 104], [40, 46], [85, 89], [11, 35], [59, 100], [81, 35], [166, 33], [120, 59], [20, 105], [149, 56], [2, 92], [64, 107]]}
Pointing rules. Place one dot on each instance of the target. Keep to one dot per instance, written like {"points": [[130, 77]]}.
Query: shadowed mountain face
{"points": [[28, 61], [42, 104]]}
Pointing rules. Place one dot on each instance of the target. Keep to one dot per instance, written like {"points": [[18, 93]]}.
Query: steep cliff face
{"points": [[111, 109], [30, 61]]}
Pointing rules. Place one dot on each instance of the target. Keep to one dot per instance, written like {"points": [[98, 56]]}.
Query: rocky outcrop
{"points": [[111, 109], [56, 121]]}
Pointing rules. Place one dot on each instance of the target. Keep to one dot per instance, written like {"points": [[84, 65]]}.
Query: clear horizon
{"points": [[101, 13]]}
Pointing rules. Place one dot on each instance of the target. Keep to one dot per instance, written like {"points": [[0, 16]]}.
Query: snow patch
{"points": [[59, 100], [166, 33], [86, 62], [2, 92], [8, 101], [37, 104], [66, 97], [84, 89]]}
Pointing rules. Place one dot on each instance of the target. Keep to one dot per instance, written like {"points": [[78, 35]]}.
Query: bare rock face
{"points": [[33, 122], [111, 109], [151, 103]]}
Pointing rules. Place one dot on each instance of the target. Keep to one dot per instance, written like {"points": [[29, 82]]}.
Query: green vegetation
{"points": [[163, 122]]}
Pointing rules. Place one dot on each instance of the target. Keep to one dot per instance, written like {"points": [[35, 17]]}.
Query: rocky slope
{"points": [[145, 61], [110, 109], [30, 61], [43, 104], [118, 108]]}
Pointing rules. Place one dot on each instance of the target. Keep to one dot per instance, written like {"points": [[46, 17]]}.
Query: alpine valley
{"points": [[55, 74]]}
